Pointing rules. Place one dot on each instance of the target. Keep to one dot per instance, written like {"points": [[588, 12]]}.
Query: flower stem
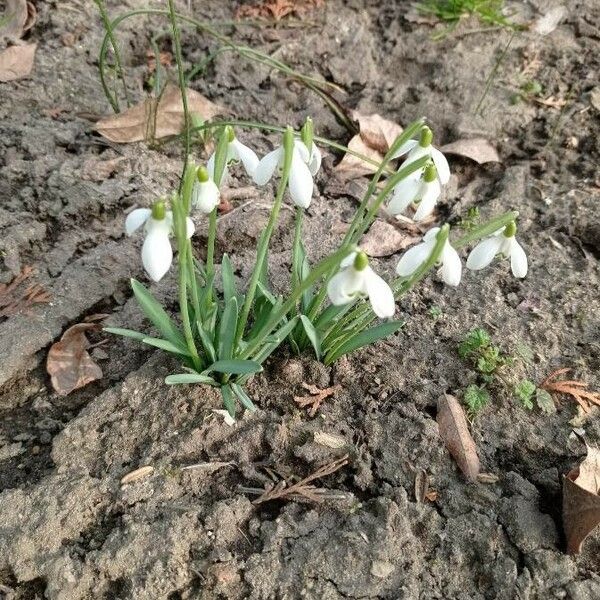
{"points": [[486, 229], [210, 249], [296, 248]]}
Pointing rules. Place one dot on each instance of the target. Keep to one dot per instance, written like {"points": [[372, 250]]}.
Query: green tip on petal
{"points": [[202, 174], [307, 133], [159, 210], [430, 173], [510, 230], [361, 261], [230, 133], [426, 137]]}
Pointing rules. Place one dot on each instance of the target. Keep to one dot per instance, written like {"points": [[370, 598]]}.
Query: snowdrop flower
{"points": [[502, 242], [236, 151], [355, 279], [205, 194], [227, 418], [301, 174], [157, 254], [450, 268], [313, 154], [418, 148], [422, 189]]}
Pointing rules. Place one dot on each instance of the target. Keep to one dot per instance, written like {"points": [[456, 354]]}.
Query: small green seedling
{"points": [[476, 397]]}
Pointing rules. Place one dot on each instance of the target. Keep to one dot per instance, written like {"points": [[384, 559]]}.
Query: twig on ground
{"points": [[315, 398], [574, 388]]}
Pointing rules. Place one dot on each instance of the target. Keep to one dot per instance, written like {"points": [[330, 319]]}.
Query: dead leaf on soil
{"points": [[316, 397], [164, 58], [576, 389], [454, 430], [373, 140], [152, 120], [548, 22], [581, 502], [478, 149], [19, 16], [69, 364], [14, 299], [383, 239], [16, 62], [422, 490], [100, 170]]}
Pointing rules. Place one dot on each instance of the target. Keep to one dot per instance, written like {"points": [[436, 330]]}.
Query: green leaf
{"points": [[264, 309], [476, 398], [272, 342], [227, 329], [370, 336], [243, 397], [312, 334], [229, 290], [235, 367], [166, 345], [545, 401], [156, 314], [136, 335], [228, 400], [525, 391], [207, 342], [182, 378]]}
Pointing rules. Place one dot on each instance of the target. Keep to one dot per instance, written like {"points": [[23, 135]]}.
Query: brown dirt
{"points": [[69, 530]]}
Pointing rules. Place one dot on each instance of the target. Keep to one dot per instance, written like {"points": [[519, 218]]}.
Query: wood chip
{"points": [[137, 474]]}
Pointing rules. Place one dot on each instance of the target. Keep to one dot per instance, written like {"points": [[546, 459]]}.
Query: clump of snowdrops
{"points": [[224, 334]]}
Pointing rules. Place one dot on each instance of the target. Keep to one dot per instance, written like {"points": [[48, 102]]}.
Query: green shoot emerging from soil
{"points": [[489, 12]]}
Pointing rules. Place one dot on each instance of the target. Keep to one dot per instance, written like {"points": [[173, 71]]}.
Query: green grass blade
{"points": [[184, 378], [229, 289], [312, 334], [228, 400], [243, 397], [130, 333], [207, 342], [235, 367], [166, 346], [227, 329]]}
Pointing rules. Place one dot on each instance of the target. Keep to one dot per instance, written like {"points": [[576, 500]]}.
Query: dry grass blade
{"points": [[315, 398], [303, 489], [14, 299], [575, 388]]}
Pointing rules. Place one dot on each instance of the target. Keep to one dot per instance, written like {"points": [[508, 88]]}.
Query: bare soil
{"points": [[69, 530]]}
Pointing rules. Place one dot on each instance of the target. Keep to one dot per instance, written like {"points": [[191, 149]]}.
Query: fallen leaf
{"points": [[477, 149], [14, 298], [137, 474], [574, 388], [383, 239], [16, 62], [100, 170], [152, 120], [18, 17], [581, 502], [69, 364], [374, 139], [548, 22], [454, 430]]}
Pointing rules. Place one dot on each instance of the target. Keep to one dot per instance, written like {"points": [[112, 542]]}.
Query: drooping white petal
{"points": [[483, 254], [205, 196], [518, 259], [413, 258], [417, 152], [345, 286], [190, 227], [431, 236], [346, 262], [380, 294], [267, 165], [441, 165], [406, 192], [451, 269], [136, 218], [157, 253], [246, 155], [314, 164], [210, 166], [227, 418], [430, 197], [303, 150], [301, 182], [406, 147]]}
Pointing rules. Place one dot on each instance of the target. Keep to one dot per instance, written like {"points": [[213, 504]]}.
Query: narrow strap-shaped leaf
{"points": [[207, 342], [183, 378], [312, 334], [307, 296], [330, 314], [130, 333], [235, 367], [155, 313], [166, 345], [264, 310], [243, 397], [227, 329], [229, 289], [273, 341], [263, 290], [228, 399], [364, 338]]}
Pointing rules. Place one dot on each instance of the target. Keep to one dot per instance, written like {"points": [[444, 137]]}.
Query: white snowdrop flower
{"points": [[157, 254], [416, 149], [502, 242], [313, 154], [227, 418], [236, 151], [422, 189], [205, 194], [355, 279], [450, 265], [300, 181]]}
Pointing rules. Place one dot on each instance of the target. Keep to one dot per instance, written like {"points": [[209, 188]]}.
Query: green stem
{"points": [[296, 254], [486, 229], [288, 145], [210, 249]]}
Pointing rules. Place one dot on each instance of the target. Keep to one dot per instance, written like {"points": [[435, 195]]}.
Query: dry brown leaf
{"points": [[477, 149], [574, 388], [14, 298], [100, 170], [17, 18], [373, 140], [150, 120], [454, 430], [16, 62], [69, 364], [581, 502], [383, 239]]}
